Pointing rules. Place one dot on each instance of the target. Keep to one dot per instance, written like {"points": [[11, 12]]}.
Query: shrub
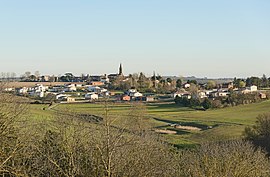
{"points": [[231, 158], [259, 134]]}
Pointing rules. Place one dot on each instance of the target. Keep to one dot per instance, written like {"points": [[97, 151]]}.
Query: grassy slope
{"points": [[227, 122]]}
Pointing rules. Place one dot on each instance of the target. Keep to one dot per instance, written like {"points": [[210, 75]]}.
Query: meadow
{"points": [[210, 125]]}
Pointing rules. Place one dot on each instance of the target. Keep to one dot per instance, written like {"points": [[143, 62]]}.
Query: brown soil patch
{"points": [[166, 132], [190, 128]]}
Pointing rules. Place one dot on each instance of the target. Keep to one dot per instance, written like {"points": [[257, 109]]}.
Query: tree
{"points": [[211, 85], [192, 82], [255, 81], [242, 84], [193, 89], [143, 82], [179, 83], [248, 82], [206, 104], [68, 77], [37, 74], [13, 137], [27, 74], [230, 158], [32, 78], [169, 80], [259, 134], [239, 83], [265, 82]]}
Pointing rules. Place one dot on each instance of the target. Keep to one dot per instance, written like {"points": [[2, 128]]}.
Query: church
{"points": [[119, 74]]}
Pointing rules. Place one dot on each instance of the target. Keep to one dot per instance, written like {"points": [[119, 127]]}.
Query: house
{"points": [[71, 100], [40, 88], [70, 88], [263, 95], [215, 94], [125, 98], [145, 98], [91, 96], [103, 90], [79, 85], [187, 85], [93, 88], [56, 89], [136, 94], [37, 94], [180, 94], [95, 78], [227, 85], [202, 94], [22, 90], [253, 88], [187, 95], [113, 77], [222, 94], [208, 92], [250, 89], [45, 78], [148, 99], [62, 97], [9, 89], [132, 91], [96, 83], [104, 79]]}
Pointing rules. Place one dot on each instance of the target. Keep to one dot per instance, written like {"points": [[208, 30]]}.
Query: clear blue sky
{"points": [[214, 38]]}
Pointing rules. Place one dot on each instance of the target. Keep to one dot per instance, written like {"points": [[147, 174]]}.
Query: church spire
{"points": [[155, 79], [120, 70]]}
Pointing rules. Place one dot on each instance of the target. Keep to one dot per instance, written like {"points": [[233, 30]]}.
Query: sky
{"points": [[203, 38]]}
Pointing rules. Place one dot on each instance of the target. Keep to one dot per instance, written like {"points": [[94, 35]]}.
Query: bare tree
{"points": [[12, 138], [230, 158]]}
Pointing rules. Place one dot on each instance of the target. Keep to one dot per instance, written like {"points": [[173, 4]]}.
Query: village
{"points": [[110, 87]]}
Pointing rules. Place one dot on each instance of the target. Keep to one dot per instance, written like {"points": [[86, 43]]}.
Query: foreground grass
{"points": [[226, 123]]}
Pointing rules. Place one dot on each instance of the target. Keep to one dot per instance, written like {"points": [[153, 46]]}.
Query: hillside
{"points": [[217, 124]]}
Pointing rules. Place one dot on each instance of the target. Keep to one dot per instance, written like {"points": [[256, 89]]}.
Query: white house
{"points": [[202, 94], [23, 90], [180, 93], [71, 100], [131, 91], [136, 94], [91, 96], [104, 79], [253, 88], [40, 88], [93, 88], [186, 85], [222, 94], [9, 89], [103, 90], [70, 88], [37, 94], [56, 89], [62, 96]]}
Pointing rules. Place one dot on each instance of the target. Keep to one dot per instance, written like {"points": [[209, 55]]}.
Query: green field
{"points": [[226, 123]]}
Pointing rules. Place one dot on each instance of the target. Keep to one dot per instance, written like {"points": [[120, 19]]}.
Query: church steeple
{"points": [[120, 70], [155, 79]]}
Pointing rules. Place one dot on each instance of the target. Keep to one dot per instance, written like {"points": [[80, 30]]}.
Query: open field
{"points": [[208, 125]]}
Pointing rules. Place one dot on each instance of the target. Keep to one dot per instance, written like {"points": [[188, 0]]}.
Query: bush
{"points": [[231, 158], [184, 101], [259, 134], [206, 104]]}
